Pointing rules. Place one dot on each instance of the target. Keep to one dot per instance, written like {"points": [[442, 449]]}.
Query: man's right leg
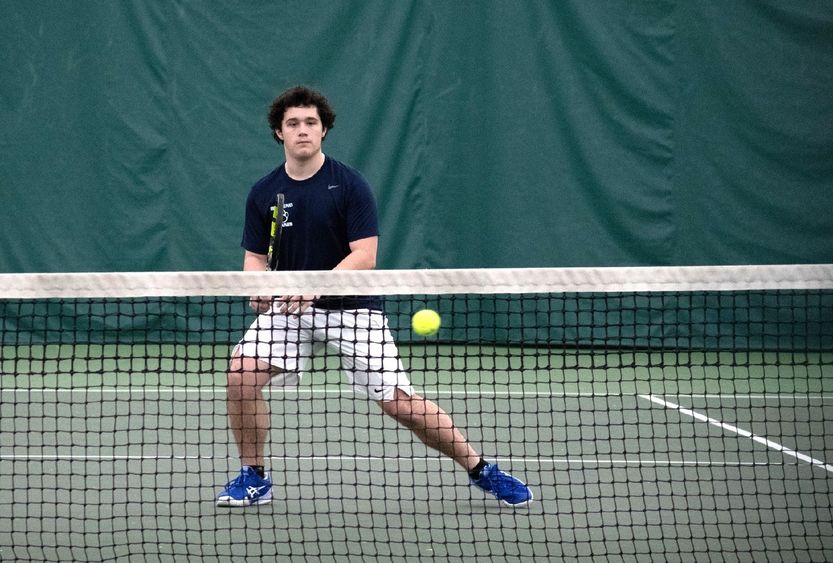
{"points": [[248, 414], [248, 411]]}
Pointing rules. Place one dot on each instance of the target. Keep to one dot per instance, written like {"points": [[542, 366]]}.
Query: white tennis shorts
{"points": [[361, 337]]}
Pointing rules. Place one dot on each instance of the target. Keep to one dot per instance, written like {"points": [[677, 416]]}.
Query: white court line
{"points": [[739, 431], [276, 390], [428, 390], [505, 460]]}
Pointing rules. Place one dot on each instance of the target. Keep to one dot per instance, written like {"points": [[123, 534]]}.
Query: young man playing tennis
{"points": [[330, 222]]}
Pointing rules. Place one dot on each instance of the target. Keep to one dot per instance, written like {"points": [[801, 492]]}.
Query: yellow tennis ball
{"points": [[425, 322]]}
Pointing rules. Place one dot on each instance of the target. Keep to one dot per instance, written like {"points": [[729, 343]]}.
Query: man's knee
{"points": [[403, 406], [246, 377]]}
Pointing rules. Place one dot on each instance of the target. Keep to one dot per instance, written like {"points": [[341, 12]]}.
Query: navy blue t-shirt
{"points": [[322, 216]]}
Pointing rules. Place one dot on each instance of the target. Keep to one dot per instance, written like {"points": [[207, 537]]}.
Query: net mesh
{"points": [[666, 414]]}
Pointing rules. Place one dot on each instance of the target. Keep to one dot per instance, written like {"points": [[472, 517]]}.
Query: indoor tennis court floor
{"points": [[624, 469]]}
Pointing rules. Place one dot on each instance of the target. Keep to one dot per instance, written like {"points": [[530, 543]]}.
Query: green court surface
{"points": [[115, 453]]}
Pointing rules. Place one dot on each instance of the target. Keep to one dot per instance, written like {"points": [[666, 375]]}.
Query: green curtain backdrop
{"points": [[530, 133]]}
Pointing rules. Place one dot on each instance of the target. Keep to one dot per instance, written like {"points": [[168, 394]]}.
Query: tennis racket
{"points": [[275, 234]]}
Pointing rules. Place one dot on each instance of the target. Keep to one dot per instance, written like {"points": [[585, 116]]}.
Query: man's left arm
{"points": [[362, 255]]}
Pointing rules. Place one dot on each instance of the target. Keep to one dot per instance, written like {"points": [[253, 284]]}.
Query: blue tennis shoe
{"points": [[247, 489], [511, 491]]}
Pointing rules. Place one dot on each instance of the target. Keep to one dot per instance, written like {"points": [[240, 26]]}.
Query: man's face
{"points": [[301, 132]]}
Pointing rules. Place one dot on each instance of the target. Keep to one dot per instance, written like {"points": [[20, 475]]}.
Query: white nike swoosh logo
{"points": [[332, 187]]}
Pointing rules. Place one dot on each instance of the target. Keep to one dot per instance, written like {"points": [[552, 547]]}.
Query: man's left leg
{"points": [[435, 428], [432, 425]]}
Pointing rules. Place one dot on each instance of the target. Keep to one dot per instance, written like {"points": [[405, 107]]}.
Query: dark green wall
{"points": [[551, 133]]}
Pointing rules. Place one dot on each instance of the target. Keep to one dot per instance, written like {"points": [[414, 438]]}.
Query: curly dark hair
{"points": [[300, 96]]}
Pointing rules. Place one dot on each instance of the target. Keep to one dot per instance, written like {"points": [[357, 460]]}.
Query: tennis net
{"points": [[657, 414]]}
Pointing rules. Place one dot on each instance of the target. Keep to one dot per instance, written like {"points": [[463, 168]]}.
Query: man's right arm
{"points": [[253, 262], [290, 305]]}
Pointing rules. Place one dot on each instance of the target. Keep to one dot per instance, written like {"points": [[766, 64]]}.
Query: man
{"points": [[330, 222]]}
